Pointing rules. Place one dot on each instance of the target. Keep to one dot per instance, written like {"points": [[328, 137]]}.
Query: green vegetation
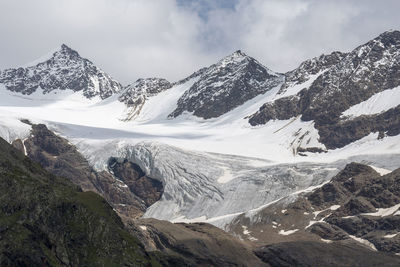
{"points": [[48, 221]]}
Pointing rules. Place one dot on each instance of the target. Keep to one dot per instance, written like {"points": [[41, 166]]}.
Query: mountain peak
{"points": [[226, 85], [65, 47], [62, 69], [239, 53], [66, 50], [237, 56]]}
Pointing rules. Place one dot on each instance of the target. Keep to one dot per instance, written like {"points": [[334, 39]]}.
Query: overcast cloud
{"points": [[173, 38]]}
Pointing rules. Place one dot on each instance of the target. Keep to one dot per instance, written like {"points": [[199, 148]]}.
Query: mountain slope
{"points": [[307, 253], [226, 85], [65, 69], [123, 185], [351, 79], [172, 245], [47, 221], [136, 94]]}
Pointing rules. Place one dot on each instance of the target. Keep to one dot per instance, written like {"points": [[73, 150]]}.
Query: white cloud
{"points": [[142, 38], [128, 38]]}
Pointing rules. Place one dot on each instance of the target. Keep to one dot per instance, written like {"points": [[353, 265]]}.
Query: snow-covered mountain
{"points": [[347, 81], [64, 69], [225, 141], [226, 85]]}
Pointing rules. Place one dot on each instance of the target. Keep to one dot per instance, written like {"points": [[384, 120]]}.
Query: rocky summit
{"points": [[226, 85], [64, 69]]}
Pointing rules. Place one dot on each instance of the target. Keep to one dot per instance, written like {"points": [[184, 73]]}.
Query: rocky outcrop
{"points": [[146, 188], [345, 132], [64, 69], [310, 67], [226, 85]]}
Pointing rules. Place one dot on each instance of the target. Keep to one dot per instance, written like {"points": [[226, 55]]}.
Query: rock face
{"points": [[227, 85], [348, 79], [311, 67], [197, 244], [136, 94], [146, 188], [357, 205], [128, 191], [65, 69], [307, 253], [48, 221]]}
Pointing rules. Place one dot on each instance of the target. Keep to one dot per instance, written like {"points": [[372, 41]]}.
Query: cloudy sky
{"points": [[173, 38]]}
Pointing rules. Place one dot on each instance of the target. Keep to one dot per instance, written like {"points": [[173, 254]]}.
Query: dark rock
{"points": [[146, 188], [225, 86], [320, 254], [328, 231], [311, 149], [199, 244], [19, 145]]}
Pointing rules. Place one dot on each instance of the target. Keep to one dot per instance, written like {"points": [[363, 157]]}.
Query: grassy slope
{"points": [[46, 220]]}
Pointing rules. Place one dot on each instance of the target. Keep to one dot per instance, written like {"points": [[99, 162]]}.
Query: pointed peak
{"points": [[237, 56], [239, 52], [68, 50], [65, 47]]}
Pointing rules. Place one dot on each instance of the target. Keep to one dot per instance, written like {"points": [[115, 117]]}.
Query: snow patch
{"points": [[364, 241], [381, 171], [390, 236], [334, 207], [383, 212], [288, 232], [377, 103]]}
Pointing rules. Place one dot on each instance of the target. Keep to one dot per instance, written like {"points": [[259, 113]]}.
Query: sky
{"points": [[132, 39]]}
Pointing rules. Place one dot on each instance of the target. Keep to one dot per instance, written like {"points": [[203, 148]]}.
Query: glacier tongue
{"points": [[196, 184]]}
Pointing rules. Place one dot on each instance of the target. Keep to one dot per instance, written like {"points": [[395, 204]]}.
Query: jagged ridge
{"points": [[65, 69], [369, 69]]}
